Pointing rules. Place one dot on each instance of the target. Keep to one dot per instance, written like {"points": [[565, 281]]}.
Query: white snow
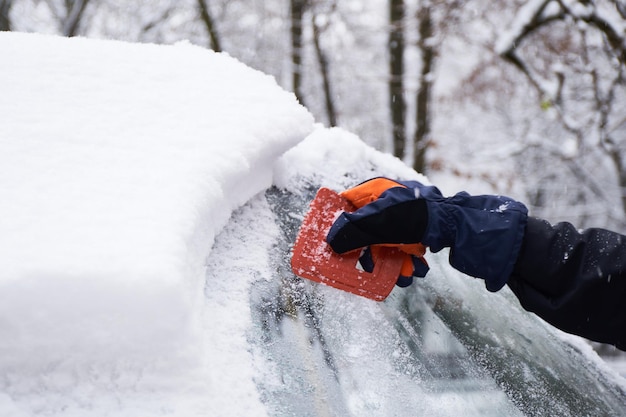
{"points": [[119, 163]]}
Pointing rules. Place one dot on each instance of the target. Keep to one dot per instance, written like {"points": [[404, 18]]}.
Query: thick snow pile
{"points": [[118, 165]]}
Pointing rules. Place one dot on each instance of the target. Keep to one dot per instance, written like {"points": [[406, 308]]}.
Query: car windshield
{"points": [[444, 346]]}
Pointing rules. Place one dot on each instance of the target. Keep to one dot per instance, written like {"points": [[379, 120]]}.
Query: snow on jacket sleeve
{"points": [[574, 280]]}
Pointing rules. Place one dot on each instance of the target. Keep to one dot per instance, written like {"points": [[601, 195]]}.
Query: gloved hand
{"points": [[484, 232], [414, 263]]}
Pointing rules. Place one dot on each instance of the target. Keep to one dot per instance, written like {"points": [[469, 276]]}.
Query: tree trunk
{"points": [[619, 160], [323, 61], [622, 178], [5, 20], [422, 101], [75, 9], [397, 104], [297, 15], [207, 18]]}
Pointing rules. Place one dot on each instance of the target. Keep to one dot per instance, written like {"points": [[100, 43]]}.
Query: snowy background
{"points": [[149, 197]]}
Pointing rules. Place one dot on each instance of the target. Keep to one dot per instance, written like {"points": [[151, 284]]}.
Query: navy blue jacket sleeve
{"points": [[574, 280]]}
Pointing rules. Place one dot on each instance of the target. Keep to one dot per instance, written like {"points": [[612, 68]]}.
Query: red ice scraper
{"points": [[314, 259]]}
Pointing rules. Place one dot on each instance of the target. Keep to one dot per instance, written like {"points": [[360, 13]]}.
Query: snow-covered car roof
{"points": [[150, 196]]}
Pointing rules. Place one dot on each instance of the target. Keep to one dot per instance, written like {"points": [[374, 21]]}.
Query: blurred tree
{"points": [[69, 14], [320, 23], [573, 55], [397, 104], [435, 19], [297, 8], [5, 19], [209, 22], [425, 44], [569, 52], [432, 21]]}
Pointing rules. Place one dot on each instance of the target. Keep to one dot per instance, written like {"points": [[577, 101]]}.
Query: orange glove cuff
{"points": [[368, 191]]}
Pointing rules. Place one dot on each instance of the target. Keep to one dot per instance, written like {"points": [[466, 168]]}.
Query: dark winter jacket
{"points": [[574, 280]]}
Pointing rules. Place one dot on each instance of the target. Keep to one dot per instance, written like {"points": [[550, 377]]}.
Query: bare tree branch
{"points": [[397, 104], [209, 22], [612, 34], [603, 97], [620, 6], [147, 27], [322, 59], [74, 13], [296, 30], [422, 104], [508, 50]]}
